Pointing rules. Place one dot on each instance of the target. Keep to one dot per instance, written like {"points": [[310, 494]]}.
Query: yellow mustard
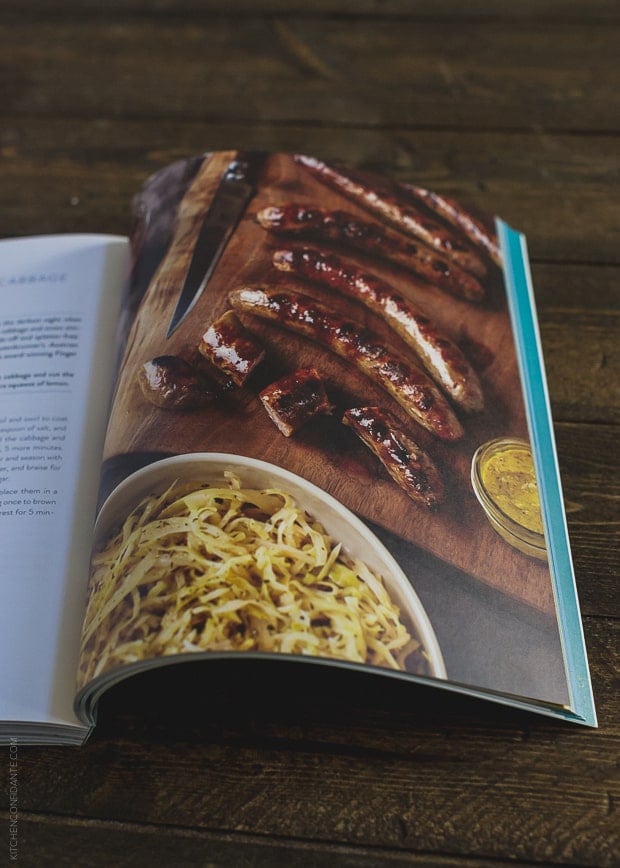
{"points": [[510, 481]]}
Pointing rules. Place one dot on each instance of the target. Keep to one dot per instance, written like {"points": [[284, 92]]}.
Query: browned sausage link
{"points": [[454, 213], [441, 358], [383, 199], [294, 399], [411, 387], [408, 465], [172, 383], [370, 238], [231, 348]]}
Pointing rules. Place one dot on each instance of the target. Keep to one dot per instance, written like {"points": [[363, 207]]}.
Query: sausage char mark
{"points": [[410, 386], [441, 358], [452, 211], [294, 399], [341, 227], [406, 462], [397, 209], [229, 346], [171, 383]]}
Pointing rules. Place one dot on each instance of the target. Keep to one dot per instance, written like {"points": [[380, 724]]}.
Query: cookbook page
{"points": [[59, 304], [319, 444]]}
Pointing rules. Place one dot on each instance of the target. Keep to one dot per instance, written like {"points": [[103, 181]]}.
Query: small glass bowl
{"points": [[527, 541]]}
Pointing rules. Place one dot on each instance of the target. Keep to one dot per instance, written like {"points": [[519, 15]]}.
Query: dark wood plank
{"points": [[463, 74], [588, 457], [582, 353], [68, 175], [327, 759], [452, 9], [64, 843], [579, 320]]}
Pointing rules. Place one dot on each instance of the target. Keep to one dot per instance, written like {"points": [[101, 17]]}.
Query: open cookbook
{"points": [[300, 414]]}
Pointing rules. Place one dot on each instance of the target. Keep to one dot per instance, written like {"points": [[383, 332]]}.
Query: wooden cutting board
{"points": [[326, 452]]}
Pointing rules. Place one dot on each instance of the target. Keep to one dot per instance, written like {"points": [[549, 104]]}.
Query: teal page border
{"points": [[522, 308]]}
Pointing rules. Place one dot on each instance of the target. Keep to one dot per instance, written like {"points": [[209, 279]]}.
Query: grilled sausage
{"points": [[408, 465], [386, 200], [294, 399], [441, 358], [231, 348], [454, 213], [172, 383], [370, 238], [411, 387]]}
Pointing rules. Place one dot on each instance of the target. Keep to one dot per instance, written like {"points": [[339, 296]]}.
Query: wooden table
{"points": [[514, 108]]}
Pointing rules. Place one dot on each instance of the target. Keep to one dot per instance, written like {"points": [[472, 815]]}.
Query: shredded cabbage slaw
{"points": [[225, 568]]}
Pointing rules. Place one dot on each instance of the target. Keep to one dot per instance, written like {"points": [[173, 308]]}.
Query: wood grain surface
{"points": [[512, 107]]}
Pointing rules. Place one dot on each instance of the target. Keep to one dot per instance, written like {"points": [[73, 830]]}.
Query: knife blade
{"points": [[236, 188]]}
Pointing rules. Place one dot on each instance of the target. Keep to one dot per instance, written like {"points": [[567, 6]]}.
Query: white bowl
{"points": [[339, 522]]}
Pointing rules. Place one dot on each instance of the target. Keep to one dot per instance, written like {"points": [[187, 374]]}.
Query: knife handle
{"points": [[245, 168]]}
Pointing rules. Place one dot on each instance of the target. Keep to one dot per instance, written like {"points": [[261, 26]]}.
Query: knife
{"points": [[236, 188]]}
